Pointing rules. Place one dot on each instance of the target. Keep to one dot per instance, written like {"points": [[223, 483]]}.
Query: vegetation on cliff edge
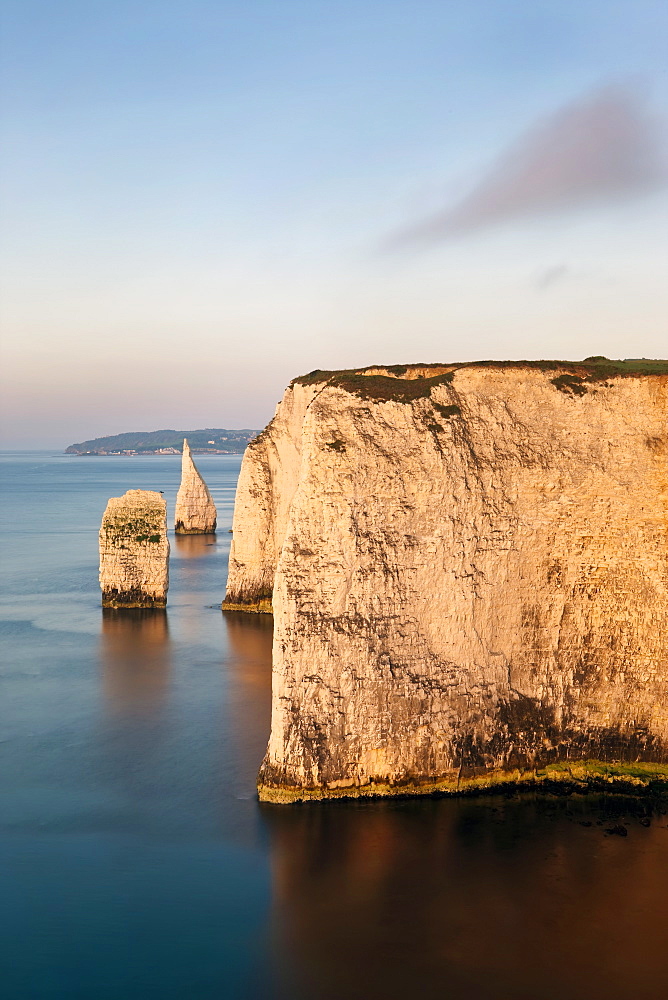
{"points": [[572, 377]]}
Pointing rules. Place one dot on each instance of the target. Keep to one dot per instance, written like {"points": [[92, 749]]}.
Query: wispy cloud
{"points": [[551, 276], [603, 147]]}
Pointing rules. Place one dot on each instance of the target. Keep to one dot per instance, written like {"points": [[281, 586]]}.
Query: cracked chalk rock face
{"points": [[195, 512], [134, 551], [468, 570]]}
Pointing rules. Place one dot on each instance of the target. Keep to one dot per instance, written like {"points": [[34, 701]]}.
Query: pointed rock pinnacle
{"points": [[195, 510]]}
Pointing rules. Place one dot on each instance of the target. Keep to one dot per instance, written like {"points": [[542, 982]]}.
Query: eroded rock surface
{"points": [[268, 479], [134, 551], [468, 567], [195, 512]]}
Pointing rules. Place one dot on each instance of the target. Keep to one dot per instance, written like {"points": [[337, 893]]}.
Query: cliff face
{"points": [[269, 476], [195, 512], [134, 551], [470, 573]]}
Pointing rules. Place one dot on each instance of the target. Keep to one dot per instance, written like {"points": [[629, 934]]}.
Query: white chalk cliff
{"points": [[195, 512], [134, 551], [468, 570]]}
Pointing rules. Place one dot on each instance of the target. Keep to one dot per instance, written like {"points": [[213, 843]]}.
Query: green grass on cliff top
{"points": [[393, 386]]}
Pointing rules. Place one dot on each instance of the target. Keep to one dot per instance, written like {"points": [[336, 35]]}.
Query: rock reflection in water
{"points": [[474, 899], [194, 546], [135, 656]]}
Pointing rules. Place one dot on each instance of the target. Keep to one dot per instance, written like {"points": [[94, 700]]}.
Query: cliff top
{"points": [[406, 382], [138, 498]]}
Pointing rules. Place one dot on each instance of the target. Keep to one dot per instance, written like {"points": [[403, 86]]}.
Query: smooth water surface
{"points": [[138, 865]]}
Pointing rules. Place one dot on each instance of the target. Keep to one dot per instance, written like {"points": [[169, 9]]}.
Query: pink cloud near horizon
{"points": [[604, 147]]}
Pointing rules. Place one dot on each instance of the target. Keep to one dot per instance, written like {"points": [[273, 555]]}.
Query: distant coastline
{"points": [[209, 440]]}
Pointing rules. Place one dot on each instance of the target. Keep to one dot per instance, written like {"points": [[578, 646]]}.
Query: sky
{"points": [[202, 200]]}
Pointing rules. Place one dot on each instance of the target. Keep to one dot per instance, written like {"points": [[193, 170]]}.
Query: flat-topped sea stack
{"points": [[195, 510], [468, 570], [134, 551]]}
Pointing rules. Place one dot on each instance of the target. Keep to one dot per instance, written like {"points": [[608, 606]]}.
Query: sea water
{"points": [[137, 864]]}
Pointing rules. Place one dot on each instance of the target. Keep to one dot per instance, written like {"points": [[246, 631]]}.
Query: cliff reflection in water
{"points": [[474, 899], [136, 659], [248, 709]]}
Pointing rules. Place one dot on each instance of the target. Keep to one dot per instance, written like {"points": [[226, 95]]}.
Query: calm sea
{"points": [[136, 863]]}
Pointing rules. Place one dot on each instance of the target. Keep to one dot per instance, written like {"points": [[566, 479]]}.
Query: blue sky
{"points": [[202, 200]]}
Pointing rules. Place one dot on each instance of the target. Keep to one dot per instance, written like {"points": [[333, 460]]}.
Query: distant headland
{"points": [[211, 440]]}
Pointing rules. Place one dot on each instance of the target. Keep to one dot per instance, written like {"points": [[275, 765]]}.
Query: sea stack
{"points": [[134, 551], [468, 570], [195, 510]]}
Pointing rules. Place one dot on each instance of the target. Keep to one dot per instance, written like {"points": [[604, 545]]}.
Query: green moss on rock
{"points": [[565, 777]]}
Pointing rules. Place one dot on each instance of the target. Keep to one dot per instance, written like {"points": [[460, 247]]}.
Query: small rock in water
{"points": [[618, 831]]}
